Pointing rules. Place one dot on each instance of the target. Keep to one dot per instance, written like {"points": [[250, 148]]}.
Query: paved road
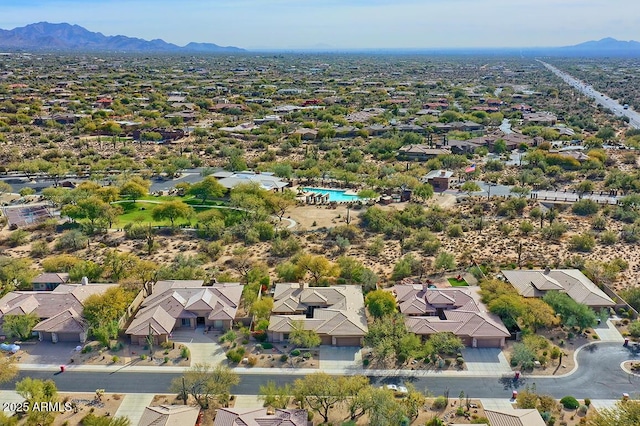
{"points": [[601, 98], [599, 376]]}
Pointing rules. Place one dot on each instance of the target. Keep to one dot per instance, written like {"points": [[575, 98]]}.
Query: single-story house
{"points": [[184, 304], [260, 417], [49, 280], [515, 417], [336, 313], [536, 282], [60, 310], [543, 118], [438, 179], [170, 415], [459, 311], [420, 152]]}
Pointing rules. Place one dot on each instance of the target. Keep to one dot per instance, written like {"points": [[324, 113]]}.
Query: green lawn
{"points": [[455, 283], [141, 212]]}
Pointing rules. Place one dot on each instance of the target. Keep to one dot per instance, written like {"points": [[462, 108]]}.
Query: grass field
{"points": [[142, 212], [457, 283]]}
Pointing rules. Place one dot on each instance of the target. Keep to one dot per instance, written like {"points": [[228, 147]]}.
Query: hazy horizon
{"points": [[341, 24]]}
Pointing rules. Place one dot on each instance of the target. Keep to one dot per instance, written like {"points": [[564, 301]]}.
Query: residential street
{"points": [[599, 376]]}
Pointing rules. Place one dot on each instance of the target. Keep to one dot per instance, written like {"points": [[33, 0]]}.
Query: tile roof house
{"points": [[420, 152], [514, 417], [60, 310], [536, 282], [260, 417], [49, 280], [459, 311], [185, 304], [336, 313], [169, 415]]}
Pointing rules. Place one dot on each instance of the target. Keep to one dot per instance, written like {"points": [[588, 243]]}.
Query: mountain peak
{"points": [[72, 37]]}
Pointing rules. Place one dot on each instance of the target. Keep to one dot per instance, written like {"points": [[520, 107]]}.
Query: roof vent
{"points": [[547, 270]]}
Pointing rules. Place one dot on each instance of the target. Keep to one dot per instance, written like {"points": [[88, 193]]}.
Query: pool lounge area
{"points": [[324, 196]]}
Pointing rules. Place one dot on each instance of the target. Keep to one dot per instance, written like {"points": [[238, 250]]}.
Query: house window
{"points": [[185, 322], [285, 336]]}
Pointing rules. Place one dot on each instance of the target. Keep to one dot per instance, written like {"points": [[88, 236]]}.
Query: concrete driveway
{"points": [[47, 353], [332, 357], [607, 332], [204, 348], [490, 361]]}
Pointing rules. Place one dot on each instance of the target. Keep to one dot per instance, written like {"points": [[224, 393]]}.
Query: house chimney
{"points": [[547, 270], [271, 411], [84, 281]]}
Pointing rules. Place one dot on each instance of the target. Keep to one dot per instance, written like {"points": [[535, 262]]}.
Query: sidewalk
{"points": [[10, 397]]}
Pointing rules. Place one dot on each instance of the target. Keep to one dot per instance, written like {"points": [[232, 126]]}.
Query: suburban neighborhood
{"points": [[232, 238]]}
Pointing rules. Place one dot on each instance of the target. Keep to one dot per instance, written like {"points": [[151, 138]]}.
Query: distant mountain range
{"points": [[606, 46], [45, 36]]}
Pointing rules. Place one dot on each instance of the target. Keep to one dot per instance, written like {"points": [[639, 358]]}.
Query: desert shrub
{"points": [[165, 359], [184, 352], [608, 238], [585, 207], [267, 345], [569, 402], [582, 410], [115, 358], [284, 357], [295, 352], [252, 361], [236, 354], [554, 231], [634, 328], [439, 403], [167, 345], [583, 242], [587, 402], [143, 357], [455, 231]]}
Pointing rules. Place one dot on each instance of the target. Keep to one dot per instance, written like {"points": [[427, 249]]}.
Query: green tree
{"points": [[321, 392], [72, 239], [275, 396], [8, 368], [133, 190], [469, 187], [36, 391], [444, 261], [262, 308], [206, 189], [19, 326], [423, 191], [318, 266], [571, 312], [15, 273], [206, 383], [298, 336], [172, 210], [625, 413], [380, 303], [509, 307]]}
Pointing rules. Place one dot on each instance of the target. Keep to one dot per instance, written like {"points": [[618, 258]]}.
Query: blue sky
{"points": [[292, 24]]}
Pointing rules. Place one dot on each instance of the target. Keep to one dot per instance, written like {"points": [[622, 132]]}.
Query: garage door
{"points": [[325, 340], [347, 341], [68, 337], [489, 343]]}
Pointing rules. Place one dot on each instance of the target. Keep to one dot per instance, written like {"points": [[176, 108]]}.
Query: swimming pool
{"points": [[334, 194]]}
